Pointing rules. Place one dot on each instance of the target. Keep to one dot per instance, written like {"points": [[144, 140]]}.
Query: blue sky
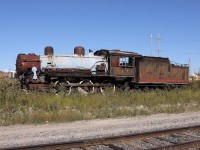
{"points": [[27, 26]]}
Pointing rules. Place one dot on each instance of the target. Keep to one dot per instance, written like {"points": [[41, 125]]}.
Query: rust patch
{"points": [[24, 63]]}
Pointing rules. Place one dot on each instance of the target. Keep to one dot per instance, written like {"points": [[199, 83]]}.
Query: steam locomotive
{"points": [[98, 71]]}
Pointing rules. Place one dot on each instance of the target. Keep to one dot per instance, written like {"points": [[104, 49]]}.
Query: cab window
{"points": [[126, 61]]}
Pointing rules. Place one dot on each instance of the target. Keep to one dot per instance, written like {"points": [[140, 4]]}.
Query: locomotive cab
{"points": [[121, 64]]}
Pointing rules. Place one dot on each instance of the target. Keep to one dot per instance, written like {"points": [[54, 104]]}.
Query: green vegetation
{"points": [[17, 107]]}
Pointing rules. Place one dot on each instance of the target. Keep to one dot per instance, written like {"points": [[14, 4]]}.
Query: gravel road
{"points": [[23, 135]]}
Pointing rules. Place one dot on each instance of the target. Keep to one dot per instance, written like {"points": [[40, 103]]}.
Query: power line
{"points": [[182, 40], [168, 51]]}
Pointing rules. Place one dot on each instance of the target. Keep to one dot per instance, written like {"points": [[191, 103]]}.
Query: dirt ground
{"points": [[23, 135]]}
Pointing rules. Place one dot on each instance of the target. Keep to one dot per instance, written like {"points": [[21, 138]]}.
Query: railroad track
{"points": [[177, 138]]}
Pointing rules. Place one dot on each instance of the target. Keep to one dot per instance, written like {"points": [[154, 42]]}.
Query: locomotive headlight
{"points": [[34, 69]]}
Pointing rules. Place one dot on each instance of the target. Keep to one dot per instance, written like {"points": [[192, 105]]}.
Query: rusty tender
{"points": [[97, 71]]}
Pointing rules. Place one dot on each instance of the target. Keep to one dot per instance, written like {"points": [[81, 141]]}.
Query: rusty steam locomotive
{"points": [[96, 71]]}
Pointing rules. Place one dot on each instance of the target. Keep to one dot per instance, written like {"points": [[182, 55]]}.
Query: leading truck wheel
{"points": [[86, 87], [107, 88], [62, 88]]}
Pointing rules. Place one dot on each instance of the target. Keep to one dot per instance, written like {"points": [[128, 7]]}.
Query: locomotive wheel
{"points": [[87, 89], [125, 87], [62, 88], [107, 88], [25, 91]]}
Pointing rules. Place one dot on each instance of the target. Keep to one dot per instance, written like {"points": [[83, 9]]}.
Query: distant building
{"points": [[7, 74], [195, 77]]}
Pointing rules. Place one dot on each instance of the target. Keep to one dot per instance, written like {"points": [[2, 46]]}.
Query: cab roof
{"points": [[116, 53]]}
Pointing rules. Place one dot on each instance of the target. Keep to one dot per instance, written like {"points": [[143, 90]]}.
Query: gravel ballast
{"points": [[24, 135]]}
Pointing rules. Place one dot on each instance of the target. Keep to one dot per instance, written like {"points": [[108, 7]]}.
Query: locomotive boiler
{"points": [[98, 71]]}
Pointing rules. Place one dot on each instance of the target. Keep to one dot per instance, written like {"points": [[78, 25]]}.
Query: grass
{"points": [[17, 107]]}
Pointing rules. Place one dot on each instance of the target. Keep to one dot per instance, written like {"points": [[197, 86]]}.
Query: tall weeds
{"points": [[17, 107]]}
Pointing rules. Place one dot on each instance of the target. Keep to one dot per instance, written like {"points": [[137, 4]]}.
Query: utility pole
{"points": [[151, 37], [158, 45], [190, 69]]}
